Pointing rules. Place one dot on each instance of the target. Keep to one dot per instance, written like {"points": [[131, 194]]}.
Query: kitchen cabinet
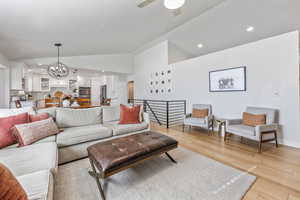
{"points": [[29, 82], [17, 76], [84, 82], [64, 83], [45, 84], [38, 83]]}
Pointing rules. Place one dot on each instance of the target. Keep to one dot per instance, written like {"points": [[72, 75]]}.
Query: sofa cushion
{"points": [[241, 129], [66, 117], [51, 111], [10, 112], [38, 185], [77, 135], [111, 113], [120, 129], [29, 159]]}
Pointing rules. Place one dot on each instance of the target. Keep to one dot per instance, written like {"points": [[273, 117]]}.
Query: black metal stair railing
{"points": [[165, 113]]}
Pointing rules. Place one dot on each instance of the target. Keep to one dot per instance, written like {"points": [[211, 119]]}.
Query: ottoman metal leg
{"points": [[170, 157], [97, 177]]}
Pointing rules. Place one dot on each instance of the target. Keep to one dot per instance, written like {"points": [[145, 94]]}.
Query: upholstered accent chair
{"points": [[205, 122], [261, 133]]}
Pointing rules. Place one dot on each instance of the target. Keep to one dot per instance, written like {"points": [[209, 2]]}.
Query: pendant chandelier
{"points": [[58, 70]]}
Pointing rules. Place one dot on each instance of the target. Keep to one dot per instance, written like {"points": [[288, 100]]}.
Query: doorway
{"points": [[103, 93], [130, 87]]}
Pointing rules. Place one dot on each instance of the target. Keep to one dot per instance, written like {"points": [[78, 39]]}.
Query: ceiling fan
{"points": [[173, 5]]}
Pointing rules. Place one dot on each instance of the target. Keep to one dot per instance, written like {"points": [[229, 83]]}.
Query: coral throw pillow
{"points": [[10, 188], [253, 120], [38, 117], [130, 115], [32, 132], [199, 113], [6, 128]]}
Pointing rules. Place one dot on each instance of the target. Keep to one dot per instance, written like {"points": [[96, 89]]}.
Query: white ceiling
{"points": [[225, 25], [86, 27], [30, 27]]}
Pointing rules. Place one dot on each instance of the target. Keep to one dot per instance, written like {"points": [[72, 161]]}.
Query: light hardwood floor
{"points": [[277, 169]]}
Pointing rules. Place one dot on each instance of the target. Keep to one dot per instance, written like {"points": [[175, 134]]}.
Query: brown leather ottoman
{"points": [[113, 156]]}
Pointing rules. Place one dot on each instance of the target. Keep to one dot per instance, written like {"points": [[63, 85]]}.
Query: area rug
{"points": [[194, 177]]}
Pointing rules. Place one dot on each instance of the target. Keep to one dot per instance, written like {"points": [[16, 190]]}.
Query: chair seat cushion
{"points": [[29, 159], [120, 129], [195, 121], [241, 129], [38, 185], [77, 135]]}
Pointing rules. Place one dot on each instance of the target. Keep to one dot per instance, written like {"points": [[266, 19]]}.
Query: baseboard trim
{"points": [[289, 143]]}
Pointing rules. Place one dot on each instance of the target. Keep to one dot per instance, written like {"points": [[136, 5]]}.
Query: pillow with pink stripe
{"points": [[29, 133], [6, 128]]}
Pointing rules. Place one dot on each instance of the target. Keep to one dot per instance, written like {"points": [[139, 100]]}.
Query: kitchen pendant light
{"points": [[174, 4], [58, 70]]}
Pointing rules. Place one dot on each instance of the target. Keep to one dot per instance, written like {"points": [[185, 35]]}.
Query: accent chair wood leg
{"points": [[259, 147], [276, 142], [225, 136], [260, 143], [183, 128]]}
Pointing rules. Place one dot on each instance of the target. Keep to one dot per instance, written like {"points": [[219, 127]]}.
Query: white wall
{"points": [[176, 54], [4, 82], [3, 61], [151, 60], [272, 79], [121, 63]]}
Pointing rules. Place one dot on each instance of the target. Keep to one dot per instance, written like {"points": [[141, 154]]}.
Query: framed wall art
{"points": [[228, 80]]}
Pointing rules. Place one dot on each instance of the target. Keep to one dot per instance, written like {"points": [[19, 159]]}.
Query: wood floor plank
{"points": [[277, 169]]}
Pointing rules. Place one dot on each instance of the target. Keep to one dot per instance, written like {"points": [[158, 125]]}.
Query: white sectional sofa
{"points": [[35, 165]]}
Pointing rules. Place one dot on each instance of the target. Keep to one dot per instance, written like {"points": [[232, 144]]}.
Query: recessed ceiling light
{"points": [[250, 29], [200, 46], [103, 71], [174, 4]]}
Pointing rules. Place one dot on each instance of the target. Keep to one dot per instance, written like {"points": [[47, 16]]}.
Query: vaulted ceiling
{"points": [[30, 27], [86, 27]]}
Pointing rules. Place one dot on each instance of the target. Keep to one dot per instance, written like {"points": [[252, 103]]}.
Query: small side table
{"points": [[221, 124]]}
